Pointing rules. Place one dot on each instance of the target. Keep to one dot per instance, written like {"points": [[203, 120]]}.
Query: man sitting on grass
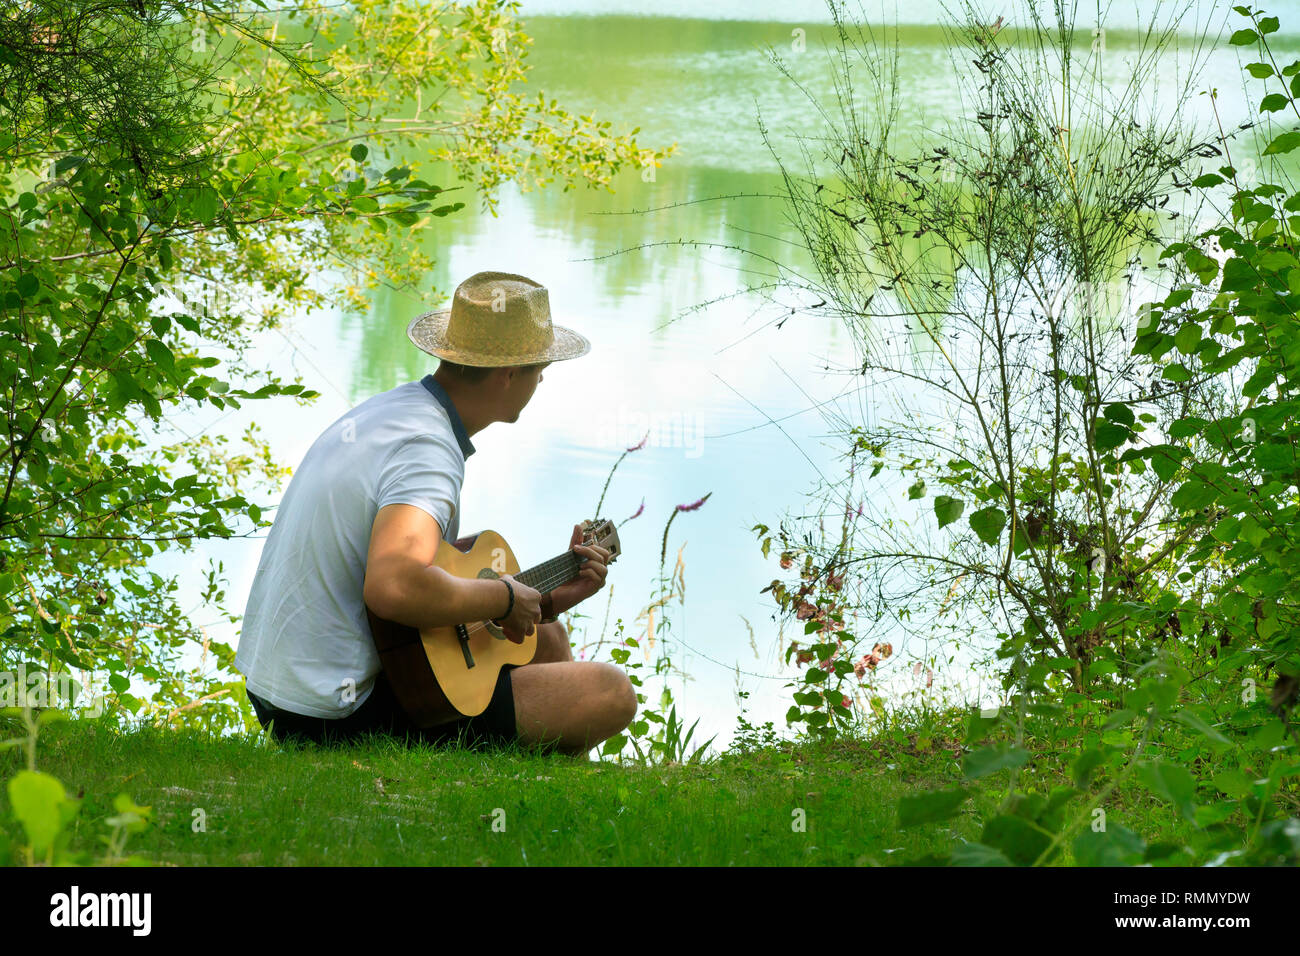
{"points": [[361, 521]]}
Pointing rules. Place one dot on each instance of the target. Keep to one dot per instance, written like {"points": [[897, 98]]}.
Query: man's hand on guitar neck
{"points": [[590, 579], [526, 612]]}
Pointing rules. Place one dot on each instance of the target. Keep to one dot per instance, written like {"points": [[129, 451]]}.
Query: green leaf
{"points": [[1165, 460], [132, 817], [42, 806], [979, 726], [1018, 839], [1205, 267], [977, 854], [1242, 37], [1121, 718], [1193, 495], [1109, 435], [1188, 338], [989, 760], [1085, 765], [66, 163], [1268, 25], [1273, 103], [1172, 782], [1234, 783], [988, 523], [1197, 724], [917, 490], [1283, 144], [160, 355], [1260, 71], [204, 204], [360, 151], [930, 807], [947, 509], [1120, 413], [1114, 846]]}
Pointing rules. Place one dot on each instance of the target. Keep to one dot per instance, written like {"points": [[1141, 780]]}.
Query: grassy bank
{"points": [[239, 801]]}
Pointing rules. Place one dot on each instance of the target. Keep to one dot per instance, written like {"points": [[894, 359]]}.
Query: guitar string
{"points": [[559, 576], [563, 566]]}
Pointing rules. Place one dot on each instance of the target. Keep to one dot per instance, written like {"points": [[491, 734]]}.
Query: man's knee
{"points": [[619, 693]]}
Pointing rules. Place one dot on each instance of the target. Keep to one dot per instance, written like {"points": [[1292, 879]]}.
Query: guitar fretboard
{"points": [[551, 574]]}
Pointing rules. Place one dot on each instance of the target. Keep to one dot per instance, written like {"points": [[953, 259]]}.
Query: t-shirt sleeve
{"points": [[421, 472]]}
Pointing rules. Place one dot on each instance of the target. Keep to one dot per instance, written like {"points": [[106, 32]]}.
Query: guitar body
{"points": [[442, 674], [433, 679]]}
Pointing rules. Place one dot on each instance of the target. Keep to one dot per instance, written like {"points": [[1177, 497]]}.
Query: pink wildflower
{"points": [[868, 661], [692, 507]]}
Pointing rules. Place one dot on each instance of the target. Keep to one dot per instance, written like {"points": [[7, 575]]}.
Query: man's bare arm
{"points": [[402, 585]]}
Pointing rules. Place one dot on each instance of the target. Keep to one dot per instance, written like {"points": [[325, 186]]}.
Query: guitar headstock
{"points": [[601, 533]]}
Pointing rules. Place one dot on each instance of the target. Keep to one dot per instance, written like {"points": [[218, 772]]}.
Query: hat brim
{"points": [[428, 333]]}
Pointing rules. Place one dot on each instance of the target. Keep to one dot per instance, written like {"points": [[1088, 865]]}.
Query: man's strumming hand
{"points": [[526, 612]]}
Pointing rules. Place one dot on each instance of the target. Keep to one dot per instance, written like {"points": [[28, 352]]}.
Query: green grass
{"points": [[379, 803]]}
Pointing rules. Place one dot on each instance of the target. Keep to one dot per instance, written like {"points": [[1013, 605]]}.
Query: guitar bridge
{"points": [[462, 633]]}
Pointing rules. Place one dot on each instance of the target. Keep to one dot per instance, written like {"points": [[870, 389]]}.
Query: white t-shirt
{"points": [[306, 645]]}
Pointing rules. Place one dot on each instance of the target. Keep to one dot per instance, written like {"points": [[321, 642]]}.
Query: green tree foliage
{"points": [[1236, 473], [1140, 569], [175, 175]]}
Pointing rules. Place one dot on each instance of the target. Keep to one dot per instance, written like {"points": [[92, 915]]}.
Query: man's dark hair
{"points": [[473, 374], [469, 374]]}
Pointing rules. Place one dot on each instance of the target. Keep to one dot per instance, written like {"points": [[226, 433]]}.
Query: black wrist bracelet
{"points": [[498, 620]]}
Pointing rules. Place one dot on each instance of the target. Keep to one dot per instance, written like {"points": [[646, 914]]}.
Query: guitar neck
{"points": [[549, 575]]}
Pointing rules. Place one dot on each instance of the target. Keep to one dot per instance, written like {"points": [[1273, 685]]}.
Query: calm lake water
{"points": [[680, 349]]}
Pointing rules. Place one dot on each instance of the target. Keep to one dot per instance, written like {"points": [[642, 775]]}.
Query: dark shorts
{"points": [[380, 713]]}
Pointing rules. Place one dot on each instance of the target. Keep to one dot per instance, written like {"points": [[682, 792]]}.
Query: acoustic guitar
{"points": [[441, 674]]}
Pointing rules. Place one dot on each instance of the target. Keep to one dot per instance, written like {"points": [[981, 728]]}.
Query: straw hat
{"points": [[496, 318]]}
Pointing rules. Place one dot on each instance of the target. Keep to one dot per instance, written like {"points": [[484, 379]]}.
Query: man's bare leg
{"points": [[552, 644], [573, 704]]}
